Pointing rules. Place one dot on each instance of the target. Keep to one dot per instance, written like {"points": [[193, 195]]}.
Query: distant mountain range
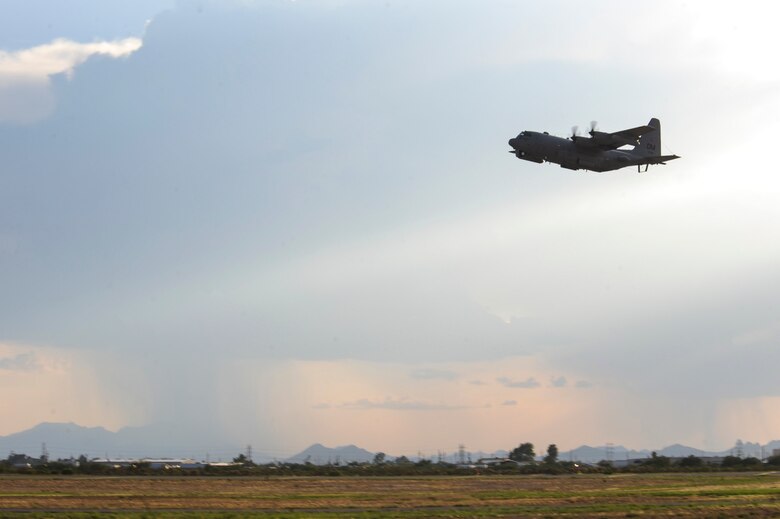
{"points": [[64, 440], [319, 455], [618, 452]]}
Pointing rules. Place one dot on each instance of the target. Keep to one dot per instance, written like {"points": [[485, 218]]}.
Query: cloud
{"points": [[42, 383], [25, 88], [558, 381], [527, 383], [260, 221], [401, 405], [20, 362], [509, 402], [432, 374], [584, 384], [61, 56], [765, 333]]}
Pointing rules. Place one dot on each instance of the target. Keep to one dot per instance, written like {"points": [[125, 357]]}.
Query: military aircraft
{"points": [[599, 152]]}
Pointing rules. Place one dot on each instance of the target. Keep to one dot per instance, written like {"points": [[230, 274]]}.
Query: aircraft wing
{"points": [[632, 134], [613, 141]]}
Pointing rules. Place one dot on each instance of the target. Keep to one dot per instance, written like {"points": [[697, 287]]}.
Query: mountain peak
{"points": [[318, 454]]}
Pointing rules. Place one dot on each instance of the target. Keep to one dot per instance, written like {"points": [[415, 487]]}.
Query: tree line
{"points": [[521, 460]]}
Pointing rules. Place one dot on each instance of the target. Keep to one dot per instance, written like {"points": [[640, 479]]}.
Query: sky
{"points": [[284, 222]]}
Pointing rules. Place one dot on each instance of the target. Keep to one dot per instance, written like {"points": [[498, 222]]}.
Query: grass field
{"points": [[626, 495]]}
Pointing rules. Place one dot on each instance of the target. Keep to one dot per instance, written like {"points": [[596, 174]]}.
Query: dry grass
{"points": [[649, 495]]}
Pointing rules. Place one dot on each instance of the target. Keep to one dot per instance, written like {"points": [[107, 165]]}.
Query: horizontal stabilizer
{"points": [[660, 159]]}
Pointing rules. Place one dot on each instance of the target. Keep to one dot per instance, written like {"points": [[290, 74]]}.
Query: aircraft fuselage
{"points": [[542, 147]]}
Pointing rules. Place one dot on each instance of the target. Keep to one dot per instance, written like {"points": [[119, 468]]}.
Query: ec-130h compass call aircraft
{"points": [[599, 152]]}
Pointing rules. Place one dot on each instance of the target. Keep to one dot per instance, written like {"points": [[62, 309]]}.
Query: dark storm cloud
{"points": [[274, 181], [207, 152]]}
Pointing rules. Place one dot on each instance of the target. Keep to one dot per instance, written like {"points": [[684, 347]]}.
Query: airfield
{"points": [[579, 495]]}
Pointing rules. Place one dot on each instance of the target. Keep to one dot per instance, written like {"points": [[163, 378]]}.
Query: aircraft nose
{"points": [[512, 141]]}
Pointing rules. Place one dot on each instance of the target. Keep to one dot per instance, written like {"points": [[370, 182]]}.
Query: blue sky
{"points": [[289, 222]]}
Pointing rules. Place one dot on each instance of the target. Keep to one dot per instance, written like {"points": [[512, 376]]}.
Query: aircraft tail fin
{"points": [[649, 144]]}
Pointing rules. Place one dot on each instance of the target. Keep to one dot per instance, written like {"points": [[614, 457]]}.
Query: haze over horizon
{"points": [[286, 222]]}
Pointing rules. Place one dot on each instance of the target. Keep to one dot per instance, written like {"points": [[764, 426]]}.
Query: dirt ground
{"points": [[630, 495]]}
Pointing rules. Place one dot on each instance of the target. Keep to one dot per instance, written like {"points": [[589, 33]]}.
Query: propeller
{"points": [[593, 126], [575, 132]]}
